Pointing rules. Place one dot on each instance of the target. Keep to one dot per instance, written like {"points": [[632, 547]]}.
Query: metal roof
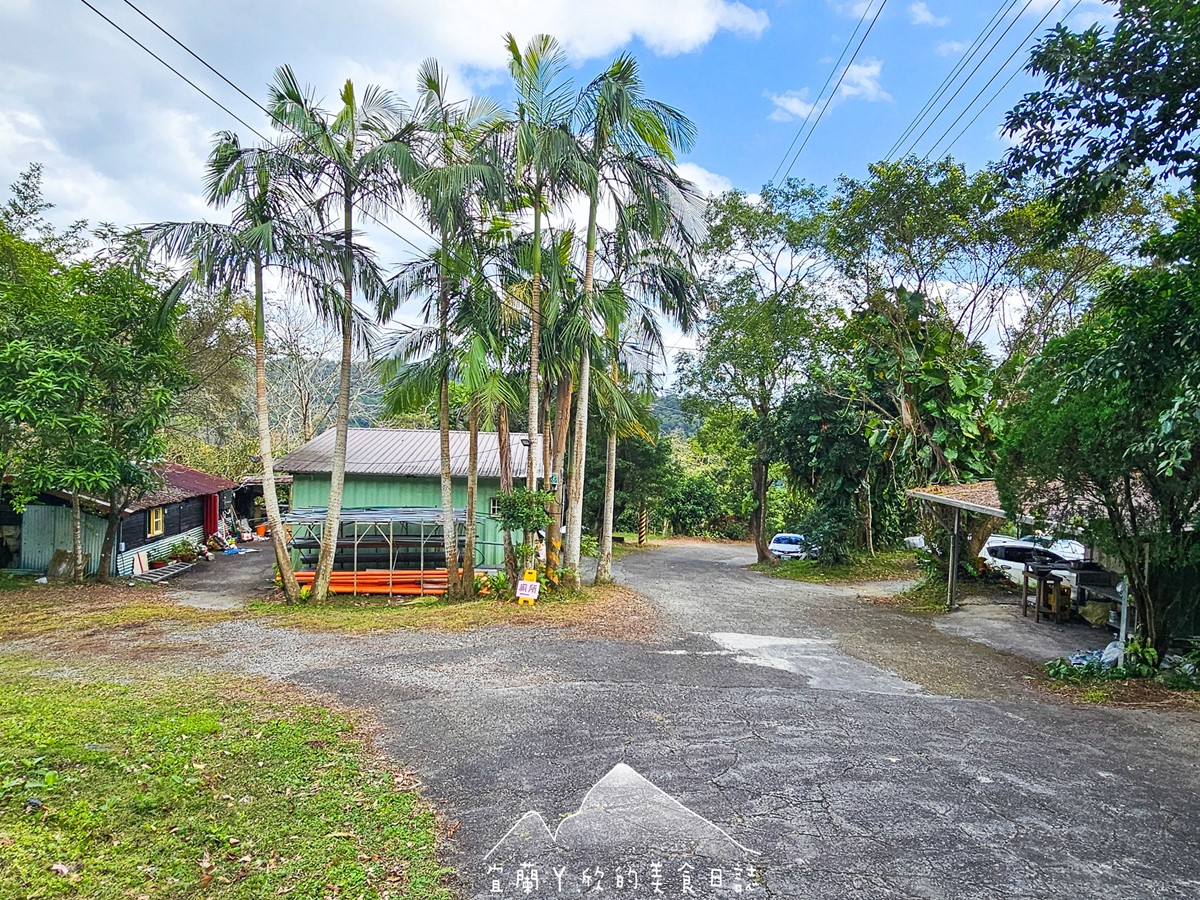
{"points": [[407, 451], [375, 515], [977, 497]]}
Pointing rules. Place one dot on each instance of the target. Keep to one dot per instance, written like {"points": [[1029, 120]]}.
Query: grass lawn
{"points": [[886, 566], [115, 784]]}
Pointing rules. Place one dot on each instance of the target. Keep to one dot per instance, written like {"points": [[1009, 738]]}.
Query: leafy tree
{"points": [[759, 338], [546, 169], [857, 500], [1115, 100], [89, 369], [628, 145], [268, 230], [1106, 435]]}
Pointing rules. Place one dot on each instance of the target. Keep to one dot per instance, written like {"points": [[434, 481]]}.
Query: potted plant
{"points": [[158, 562], [184, 551]]}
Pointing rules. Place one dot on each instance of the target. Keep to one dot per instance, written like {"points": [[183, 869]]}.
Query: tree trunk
{"points": [[337, 477], [572, 557], [506, 485], [117, 499], [758, 518], [76, 539], [558, 444], [535, 337], [468, 561], [449, 526], [283, 558], [579, 451], [604, 565]]}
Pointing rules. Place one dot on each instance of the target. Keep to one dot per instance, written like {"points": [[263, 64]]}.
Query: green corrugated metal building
{"points": [[389, 468]]}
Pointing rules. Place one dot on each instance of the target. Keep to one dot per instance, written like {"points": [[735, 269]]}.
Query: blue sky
{"points": [[123, 140]]}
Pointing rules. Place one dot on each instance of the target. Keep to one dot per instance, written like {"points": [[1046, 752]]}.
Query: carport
{"points": [[982, 498]]}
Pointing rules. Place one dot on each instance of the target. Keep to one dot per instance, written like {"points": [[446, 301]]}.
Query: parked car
{"points": [[1009, 556], [1064, 547], [792, 546]]}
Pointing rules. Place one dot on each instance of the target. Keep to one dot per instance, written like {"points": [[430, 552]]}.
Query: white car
{"points": [[1064, 547], [791, 546], [1009, 556]]}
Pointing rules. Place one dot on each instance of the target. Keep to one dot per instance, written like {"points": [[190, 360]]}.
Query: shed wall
{"points": [[367, 491], [46, 529]]}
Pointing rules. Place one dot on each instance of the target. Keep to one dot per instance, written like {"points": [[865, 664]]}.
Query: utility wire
{"points": [[836, 87], [387, 205], [189, 81], [974, 47], [1020, 47], [917, 140], [817, 99]]}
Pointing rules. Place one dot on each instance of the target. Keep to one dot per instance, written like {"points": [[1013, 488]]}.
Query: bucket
{"points": [[261, 530]]}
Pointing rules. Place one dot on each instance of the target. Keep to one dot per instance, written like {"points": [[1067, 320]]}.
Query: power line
{"points": [[974, 47], [1003, 65], [917, 140], [193, 84], [387, 205], [817, 99], [836, 87]]}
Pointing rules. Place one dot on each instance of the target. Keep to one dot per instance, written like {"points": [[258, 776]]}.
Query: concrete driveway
{"points": [[838, 749]]}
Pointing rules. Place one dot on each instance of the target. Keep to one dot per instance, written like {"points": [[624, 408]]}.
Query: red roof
{"points": [[180, 483]]}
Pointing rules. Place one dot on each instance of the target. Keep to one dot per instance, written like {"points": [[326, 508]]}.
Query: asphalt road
{"points": [[843, 750]]}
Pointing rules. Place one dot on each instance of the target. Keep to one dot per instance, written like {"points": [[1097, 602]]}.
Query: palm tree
{"points": [[546, 169], [630, 142], [267, 229], [356, 158], [455, 185], [656, 278]]}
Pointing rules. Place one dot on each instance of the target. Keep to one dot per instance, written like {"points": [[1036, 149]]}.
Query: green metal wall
{"points": [[366, 491]]}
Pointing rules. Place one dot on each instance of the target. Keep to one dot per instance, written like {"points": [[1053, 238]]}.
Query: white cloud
{"points": [[861, 81], [920, 14], [790, 105], [951, 48], [854, 9], [709, 183], [124, 140]]}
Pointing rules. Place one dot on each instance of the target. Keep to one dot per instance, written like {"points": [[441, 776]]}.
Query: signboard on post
{"points": [[528, 591]]}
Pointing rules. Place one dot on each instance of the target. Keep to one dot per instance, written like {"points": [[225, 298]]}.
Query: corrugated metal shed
{"points": [[46, 529], [405, 451]]}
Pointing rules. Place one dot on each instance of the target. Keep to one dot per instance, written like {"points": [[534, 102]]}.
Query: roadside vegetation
{"points": [[116, 782], [888, 565], [587, 608]]}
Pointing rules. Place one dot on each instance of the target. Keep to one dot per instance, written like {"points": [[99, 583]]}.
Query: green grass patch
{"points": [[621, 549], [886, 566], [10, 581], [169, 788]]}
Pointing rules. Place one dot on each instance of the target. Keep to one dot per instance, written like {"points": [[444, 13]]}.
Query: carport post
{"points": [[952, 577]]}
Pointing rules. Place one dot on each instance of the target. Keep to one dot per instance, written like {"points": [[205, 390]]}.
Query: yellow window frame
{"points": [[155, 520]]}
